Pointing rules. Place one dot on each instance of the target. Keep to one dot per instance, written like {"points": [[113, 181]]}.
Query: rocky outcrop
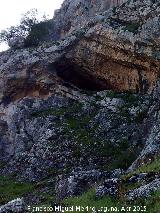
{"points": [[145, 190], [14, 206], [51, 134], [74, 15], [114, 53], [109, 187], [118, 50], [152, 146], [121, 45], [151, 149], [77, 182], [148, 183], [58, 113], [21, 77]]}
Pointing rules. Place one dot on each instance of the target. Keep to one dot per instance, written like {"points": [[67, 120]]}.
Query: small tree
{"points": [[30, 25], [12, 32], [38, 33]]}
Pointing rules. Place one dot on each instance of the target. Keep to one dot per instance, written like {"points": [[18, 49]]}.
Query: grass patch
{"points": [[47, 199], [112, 94], [75, 107], [152, 167], [10, 189], [153, 203], [121, 155], [89, 199], [130, 99], [131, 27]]}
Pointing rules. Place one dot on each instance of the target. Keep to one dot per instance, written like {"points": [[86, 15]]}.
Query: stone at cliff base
{"points": [[77, 183], [15, 206], [109, 187], [144, 191]]}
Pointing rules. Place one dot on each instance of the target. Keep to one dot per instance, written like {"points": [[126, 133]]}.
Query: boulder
{"points": [[15, 206], [109, 187], [77, 182], [144, 190]]}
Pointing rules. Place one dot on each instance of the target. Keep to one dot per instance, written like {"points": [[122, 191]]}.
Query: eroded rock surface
{"points": [[145, 190], [13, 206], [116, 53], [58, 113], [76, 14], [63, 133]]}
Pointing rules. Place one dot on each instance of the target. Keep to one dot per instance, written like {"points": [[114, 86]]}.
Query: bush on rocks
{"points": [[30, 32]]}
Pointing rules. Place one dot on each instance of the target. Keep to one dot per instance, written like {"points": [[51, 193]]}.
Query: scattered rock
{"points": [[137, 178], [77, 182], [50, 127], [116, 173], [144, 190], [17, 206], [112, 103], [109, 187]]}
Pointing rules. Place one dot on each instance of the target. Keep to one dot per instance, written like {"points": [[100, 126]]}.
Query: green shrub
{"points": [[130, 98], [140, 116], [38, 33], [152, 167], [32, 29], [10, 189], [2, 164], [131, 27], [114, 9]]}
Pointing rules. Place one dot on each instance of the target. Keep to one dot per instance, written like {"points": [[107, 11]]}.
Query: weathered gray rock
{"points": [[17, 206], [42, 136], [116, 173], [144, 190], [17, 42], [152, 145], [138, 178], [109, 187], [77, 182], [49, 127], [76, 14]]}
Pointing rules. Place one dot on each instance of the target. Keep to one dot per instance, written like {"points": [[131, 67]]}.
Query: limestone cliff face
{"points": [[119, 58], [76, 14], [119, 51], [121, 47], [62, 121]]}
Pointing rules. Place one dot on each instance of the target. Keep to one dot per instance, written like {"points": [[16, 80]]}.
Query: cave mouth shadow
{"points": [[76, 76]]}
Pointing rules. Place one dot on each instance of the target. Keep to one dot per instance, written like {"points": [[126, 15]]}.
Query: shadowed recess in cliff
{"points": [[73, 75], [19, 89]]}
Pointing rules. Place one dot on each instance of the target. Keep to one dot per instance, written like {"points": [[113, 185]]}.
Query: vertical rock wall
{"points": [[75, 14]]}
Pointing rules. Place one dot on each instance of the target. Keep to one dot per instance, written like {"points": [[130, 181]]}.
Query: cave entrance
{"points": [[73, 75]]}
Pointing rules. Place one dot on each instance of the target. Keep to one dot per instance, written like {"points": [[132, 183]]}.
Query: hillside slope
{"points": [[79, 116]]}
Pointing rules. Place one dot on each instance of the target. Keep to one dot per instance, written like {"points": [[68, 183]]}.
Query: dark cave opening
{"points": [[73, 75]]}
